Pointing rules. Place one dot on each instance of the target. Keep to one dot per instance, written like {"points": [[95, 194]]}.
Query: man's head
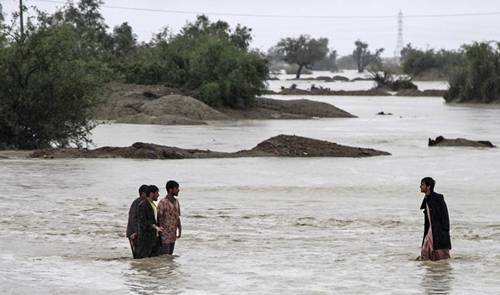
{"points": [[142, 191], [172, 188], [152, 192], [427, 185]]}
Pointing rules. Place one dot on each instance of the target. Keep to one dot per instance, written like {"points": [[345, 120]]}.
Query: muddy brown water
{"points": [[265, 225]]}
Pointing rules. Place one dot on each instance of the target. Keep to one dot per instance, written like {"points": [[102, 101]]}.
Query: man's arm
{"points": [[179, 225], [446, 218]]}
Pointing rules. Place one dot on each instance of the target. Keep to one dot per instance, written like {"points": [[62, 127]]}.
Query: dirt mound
{"points": [[416, 92], [340, 78], [297, 146], [153, 104], [303, 107], [183, 106], [158, 120], [327, 91], [138, 150], [278, 146], [441, 141]]}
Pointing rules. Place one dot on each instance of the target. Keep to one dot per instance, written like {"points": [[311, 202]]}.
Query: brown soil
{"points": [[416, 92], [327, 91], [441, 141], [153, 104], [278, 146]]}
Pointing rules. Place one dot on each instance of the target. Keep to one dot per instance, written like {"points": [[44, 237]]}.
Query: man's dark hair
{"points": [[151, 189], [171, 184], [143, 188], [428, 181]]}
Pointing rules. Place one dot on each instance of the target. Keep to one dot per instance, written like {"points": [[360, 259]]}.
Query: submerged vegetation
{"points": [[477, 77]]}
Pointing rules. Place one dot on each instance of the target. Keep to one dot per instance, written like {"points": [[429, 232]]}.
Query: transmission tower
{"points": [[399, 43]]}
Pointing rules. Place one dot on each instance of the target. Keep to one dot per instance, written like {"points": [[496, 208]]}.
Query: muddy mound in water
{"points": [[327, 91], [297, 146], [153, 104], [416, 92], [156, 104], [441, 141], [138, 150], [278, 146]]}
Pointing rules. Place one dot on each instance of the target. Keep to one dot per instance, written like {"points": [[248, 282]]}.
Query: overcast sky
{"points": [[423, 32]]}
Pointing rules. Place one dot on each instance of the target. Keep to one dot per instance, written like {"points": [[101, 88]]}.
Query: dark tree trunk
{"points": [[298, 71]]}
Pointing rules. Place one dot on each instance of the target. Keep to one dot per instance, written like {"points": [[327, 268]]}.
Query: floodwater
{"points": [[286, 81], [265, 225]]}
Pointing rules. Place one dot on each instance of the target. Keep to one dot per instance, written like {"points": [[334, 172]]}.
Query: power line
{"points": [[493, 13]]}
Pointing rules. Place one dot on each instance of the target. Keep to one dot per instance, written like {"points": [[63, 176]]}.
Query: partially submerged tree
{"points": [[303, 51], [477, 78], [364, 57], [388, 80], [429, 63]]}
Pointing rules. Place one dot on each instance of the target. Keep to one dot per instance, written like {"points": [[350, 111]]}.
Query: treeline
{"points": [[473, 71], [429, 64], [314, 54], [51, 73]]}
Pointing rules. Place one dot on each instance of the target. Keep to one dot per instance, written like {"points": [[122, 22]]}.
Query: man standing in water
{"points": [[436, 243], [132, 219], [169, 212], [148, 230]]}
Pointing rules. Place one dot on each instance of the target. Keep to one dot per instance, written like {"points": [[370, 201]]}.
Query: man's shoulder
{"points": [[142, 203], [136, 202], [438, 198], [438, 195]]}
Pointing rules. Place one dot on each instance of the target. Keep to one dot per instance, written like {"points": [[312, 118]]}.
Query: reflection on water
{"points": [[438, 277], [156, 275]]}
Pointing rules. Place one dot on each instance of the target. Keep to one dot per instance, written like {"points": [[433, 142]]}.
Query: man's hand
{"points": [[133, 236]]}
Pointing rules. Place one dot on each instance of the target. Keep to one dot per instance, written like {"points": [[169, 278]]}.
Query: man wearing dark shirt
{"points": [[148, 240], [132, 219]]}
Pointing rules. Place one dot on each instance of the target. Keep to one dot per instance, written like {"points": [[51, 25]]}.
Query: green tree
{"points": [[303, 51], [208, 60], [2, 28], [240, 37], [124, 40], [477, 78], [89, 23], [416, 62], [364, 57], [48, 90], [328, 63]]}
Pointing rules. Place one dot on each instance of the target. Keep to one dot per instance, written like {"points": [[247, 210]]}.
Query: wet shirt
{"points": [[168, 219]]}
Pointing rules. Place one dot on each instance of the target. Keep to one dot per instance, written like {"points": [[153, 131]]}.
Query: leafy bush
{"points": [[417, 62], [206, 59], [48, 90], [477, 79]]}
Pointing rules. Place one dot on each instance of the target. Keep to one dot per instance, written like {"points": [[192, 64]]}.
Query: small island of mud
{"points": [[158, 104], [441, 141], [278, 146]]}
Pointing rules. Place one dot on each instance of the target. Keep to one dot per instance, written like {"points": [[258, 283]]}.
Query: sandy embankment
{"points": [[156, 104]]}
